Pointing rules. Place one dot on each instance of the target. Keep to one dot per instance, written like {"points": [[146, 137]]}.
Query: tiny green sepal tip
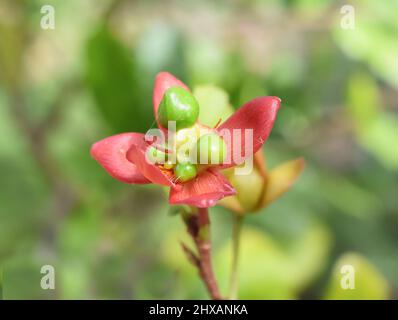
{"points": [[211, 149], [180, 106], [185, 172]]}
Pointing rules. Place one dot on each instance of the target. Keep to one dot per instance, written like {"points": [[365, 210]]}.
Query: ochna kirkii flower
{"points": [[134, 159]]}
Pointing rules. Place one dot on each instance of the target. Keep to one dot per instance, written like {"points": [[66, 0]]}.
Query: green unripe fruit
{"points": [[185, 171], [211, 149], [180, 106]]}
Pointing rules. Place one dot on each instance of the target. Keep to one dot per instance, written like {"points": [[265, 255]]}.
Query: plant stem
{"points": [[234, 278], [204, 250], [199, 228]]}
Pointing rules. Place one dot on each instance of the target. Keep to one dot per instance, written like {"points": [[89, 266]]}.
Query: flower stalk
{"points": [[199, 228]]}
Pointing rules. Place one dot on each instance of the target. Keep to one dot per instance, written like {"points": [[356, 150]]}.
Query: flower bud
{"points": [[180, 106], [249, 187], [211, 149]]}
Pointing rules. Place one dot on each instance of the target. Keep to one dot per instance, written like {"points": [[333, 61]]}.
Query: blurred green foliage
{"points": [[63, 89], [110, 73], [368, 283]]}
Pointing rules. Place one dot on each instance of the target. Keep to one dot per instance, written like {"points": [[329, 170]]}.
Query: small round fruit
{"points": [[211, 149], [185, 171], [180, 106]]}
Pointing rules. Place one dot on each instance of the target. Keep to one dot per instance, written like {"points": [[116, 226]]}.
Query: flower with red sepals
{"points": [[123, 156]]}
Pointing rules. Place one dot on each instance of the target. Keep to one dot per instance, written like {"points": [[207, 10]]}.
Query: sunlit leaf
{"points": [[377, 130], [263, 267], [268, 270], [11, 44], [381, 139], [309, 255], [363, 100], [355, 278]]}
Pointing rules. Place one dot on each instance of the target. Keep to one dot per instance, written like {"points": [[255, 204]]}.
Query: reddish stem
{"points": [[199, 228], [203, 243]]}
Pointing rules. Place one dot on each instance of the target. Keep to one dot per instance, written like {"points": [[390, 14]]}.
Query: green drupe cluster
{"points": [[180, 105]]}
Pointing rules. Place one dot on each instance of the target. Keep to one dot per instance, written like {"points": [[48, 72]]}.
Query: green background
{"points": [[92, 76]]}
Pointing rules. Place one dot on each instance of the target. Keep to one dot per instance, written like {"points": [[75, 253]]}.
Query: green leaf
{"points": [[22, 279], [363, 100], [74, 279], [374, 39], [381, 138], [20, 221], [308, 256], [111, 77], [368, 282], [268, 270], [262, 267], [377, 131], [11, 46]]}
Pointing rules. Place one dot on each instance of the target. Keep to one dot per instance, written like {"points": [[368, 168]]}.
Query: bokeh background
{"points": [[92, 76]]}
